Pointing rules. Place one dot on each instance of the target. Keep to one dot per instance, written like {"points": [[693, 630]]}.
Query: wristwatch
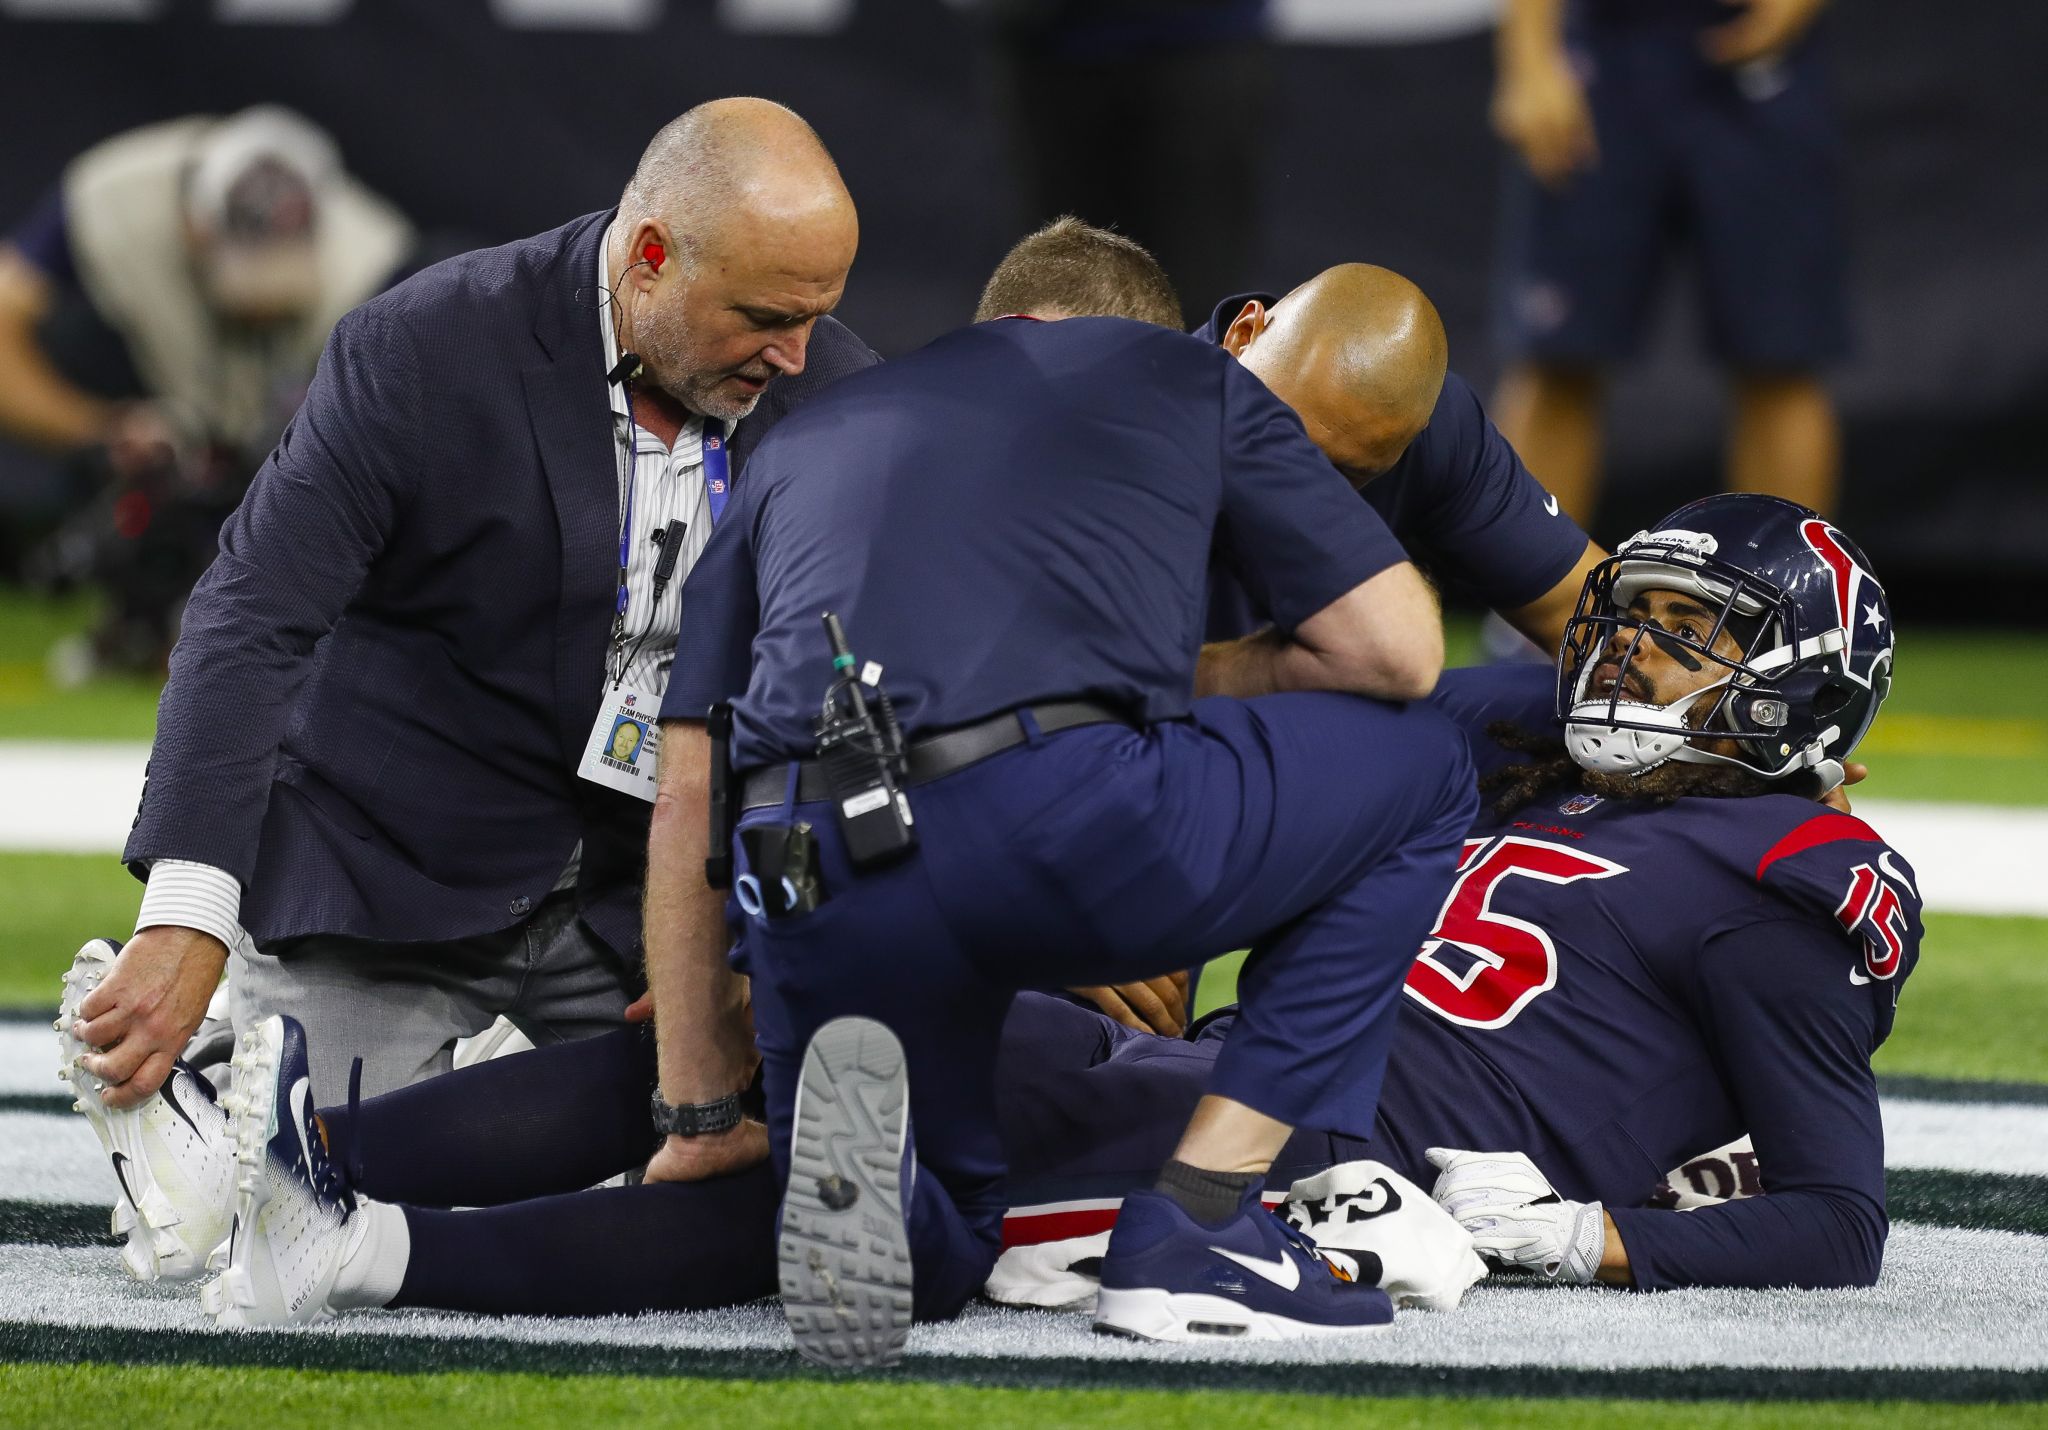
{"points": [[695, 1119]]}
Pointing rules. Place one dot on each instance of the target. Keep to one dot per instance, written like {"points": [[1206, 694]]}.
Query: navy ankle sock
{"points": [[557, 1119], [671, 1246]]}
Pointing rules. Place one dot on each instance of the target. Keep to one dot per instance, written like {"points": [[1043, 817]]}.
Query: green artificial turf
{"points": [[162, 1397], [1974, 1006], [49, 905], [1964, 721], [31, 708]]}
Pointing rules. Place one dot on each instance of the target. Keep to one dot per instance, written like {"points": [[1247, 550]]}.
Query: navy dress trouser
{"points": [[1320, 830]]}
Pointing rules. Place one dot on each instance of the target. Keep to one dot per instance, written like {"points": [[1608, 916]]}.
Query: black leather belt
{"points": [[933, 756]]}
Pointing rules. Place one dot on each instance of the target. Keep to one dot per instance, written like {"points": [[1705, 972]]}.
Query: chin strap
{"points": [[1605, 748]]}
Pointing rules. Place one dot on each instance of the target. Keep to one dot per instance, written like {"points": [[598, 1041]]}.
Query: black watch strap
{"points": [[695, 1119]]}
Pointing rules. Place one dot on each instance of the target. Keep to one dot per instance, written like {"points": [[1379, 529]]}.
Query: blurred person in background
{"points": [[161, 311], [1639, 127], [1139, 115]]}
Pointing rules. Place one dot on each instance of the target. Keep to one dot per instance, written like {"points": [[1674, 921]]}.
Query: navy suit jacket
{"points": [[386, 678]]}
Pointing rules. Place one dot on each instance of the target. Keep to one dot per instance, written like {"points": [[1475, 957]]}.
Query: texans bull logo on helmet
{"points": [[1866, 624]]}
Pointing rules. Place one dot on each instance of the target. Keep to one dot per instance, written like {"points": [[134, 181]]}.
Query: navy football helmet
{"points": [[1795, 594]]}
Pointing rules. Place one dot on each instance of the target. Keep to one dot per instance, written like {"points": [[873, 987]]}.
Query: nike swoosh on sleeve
{"points": [[1550, 504]]}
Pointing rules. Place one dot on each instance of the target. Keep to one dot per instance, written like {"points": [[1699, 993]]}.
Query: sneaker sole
{"points": [[1147, 1314], [843, 1258], [254, 1086], [154, 1250]]}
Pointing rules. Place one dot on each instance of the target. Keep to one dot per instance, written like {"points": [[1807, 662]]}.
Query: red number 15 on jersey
{"points": [[1506, 961]]}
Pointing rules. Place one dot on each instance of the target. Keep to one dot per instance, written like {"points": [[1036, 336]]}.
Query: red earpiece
{"points": [[655, 254]]}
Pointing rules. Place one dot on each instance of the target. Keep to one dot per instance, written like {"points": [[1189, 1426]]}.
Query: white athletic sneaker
{"points": [[171, 1155], [301, 1245]]}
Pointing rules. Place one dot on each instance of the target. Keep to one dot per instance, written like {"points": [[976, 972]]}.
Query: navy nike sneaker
{"points": [[171, 1154], [843, 1257], [1167, 1277], [302, 1245]]}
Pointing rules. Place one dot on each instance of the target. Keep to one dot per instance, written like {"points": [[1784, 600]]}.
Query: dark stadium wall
{"points": [[1377, 151]]}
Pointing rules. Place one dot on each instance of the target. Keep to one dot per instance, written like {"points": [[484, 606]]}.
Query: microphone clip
{"points": [[627, 369]]}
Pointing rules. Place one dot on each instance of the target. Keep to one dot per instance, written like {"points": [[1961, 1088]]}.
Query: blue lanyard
{"points": [[717, 487], [717, 477]]}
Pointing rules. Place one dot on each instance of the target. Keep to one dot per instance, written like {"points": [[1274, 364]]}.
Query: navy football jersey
{"points": [[1616, 986]]}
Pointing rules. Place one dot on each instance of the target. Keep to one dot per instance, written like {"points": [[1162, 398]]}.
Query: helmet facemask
{"points": [[1741, 707]]}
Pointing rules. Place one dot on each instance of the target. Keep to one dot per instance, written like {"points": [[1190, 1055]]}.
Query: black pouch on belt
{"points": [[782, 864]]}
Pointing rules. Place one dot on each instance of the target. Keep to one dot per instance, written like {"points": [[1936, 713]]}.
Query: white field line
{"points": [[69, 798], [1966, 1136], [1979, 859], [1947, 1298], [1970, 858]]}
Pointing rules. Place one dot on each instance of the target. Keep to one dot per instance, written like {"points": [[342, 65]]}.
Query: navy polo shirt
{"points": [[1016, 513], [1459, 499]]}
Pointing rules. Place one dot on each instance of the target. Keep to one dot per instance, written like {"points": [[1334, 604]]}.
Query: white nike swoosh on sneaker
{"points": [[301, 1095], [1550, 504], [1284, 1271]]}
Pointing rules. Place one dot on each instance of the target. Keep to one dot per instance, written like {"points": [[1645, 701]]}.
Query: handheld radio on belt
{"points": [[863, 759]]}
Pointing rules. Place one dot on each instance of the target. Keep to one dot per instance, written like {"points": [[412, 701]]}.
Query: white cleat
{"points": [[296, 1222], [171, 1156]]}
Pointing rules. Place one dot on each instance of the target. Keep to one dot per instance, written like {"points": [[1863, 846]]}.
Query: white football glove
{"points": [[1515, 1218]]}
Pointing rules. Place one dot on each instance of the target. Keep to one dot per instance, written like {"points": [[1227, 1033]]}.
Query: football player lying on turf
{"points": [[1657, 943]]}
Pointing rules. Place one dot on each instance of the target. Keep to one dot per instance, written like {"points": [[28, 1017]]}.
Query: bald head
{"points": [[1358, 352], [736, 163], [733, 238]]}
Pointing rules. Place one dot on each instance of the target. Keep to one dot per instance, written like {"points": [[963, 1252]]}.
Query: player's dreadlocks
{"points": [[1513, 786]]}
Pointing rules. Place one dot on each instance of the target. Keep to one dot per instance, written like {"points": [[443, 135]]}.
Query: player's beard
{"points": [[662, 339]]}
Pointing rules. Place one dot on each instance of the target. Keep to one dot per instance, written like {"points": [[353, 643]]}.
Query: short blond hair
{"points": [[1074, 270]]}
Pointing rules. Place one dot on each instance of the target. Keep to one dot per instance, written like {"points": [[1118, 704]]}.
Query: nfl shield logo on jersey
{"points": [[1578, 804]]}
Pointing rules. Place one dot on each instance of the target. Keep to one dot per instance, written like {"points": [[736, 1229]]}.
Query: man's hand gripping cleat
{"points": [[171, 1156]]}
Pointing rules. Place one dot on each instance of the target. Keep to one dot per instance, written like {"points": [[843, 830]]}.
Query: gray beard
{"points": [[704, 405], [664, 350]]}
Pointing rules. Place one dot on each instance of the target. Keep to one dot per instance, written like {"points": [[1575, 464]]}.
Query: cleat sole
{"points": [[843, 1257]]}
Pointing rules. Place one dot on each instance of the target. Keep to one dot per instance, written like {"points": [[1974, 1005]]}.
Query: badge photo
{"points": [[624, 748]]}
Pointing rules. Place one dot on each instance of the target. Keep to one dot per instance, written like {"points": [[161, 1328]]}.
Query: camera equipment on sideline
{"points": [[148, 532], [863, 759]]}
